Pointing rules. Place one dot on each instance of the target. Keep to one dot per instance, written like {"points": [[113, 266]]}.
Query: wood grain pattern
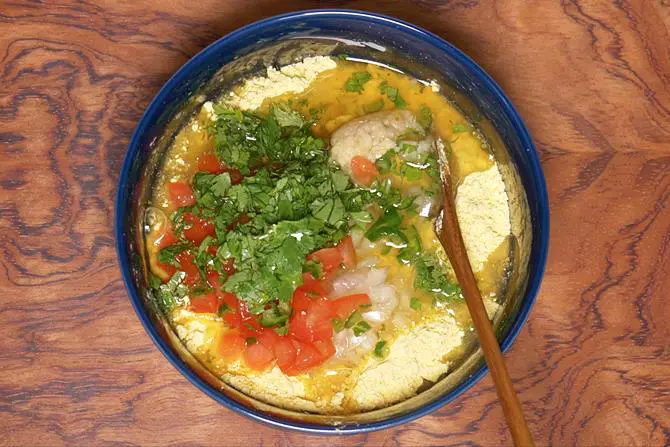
{"points": [[591, 79]]}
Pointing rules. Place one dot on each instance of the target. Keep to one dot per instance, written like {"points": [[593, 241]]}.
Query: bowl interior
{"points": [[287, 39]]}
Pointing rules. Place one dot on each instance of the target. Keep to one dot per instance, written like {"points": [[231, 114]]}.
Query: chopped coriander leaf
{"points": [[275, 316], [393, 94], [286, 117], [425, 117], [415, 303], [374, 106], [168, 255], [338, 324], [360, 328], [313, 267], [356, 81], [154, 281], [459, 127], [342, 56], [168, 295], [413, 247], [431, 276], [388, 224], [410, 172], [355, 318], [387, 162], [381, 349]]}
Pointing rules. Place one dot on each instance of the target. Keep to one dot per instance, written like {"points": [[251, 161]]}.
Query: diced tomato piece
{"points": [[213, 279], [207, 303], [363, 170], [316, 287], [301, 301], [208, 162], [325, 347], [187, 265], [268, 337], [198, 228], [307, 356], [345, 306], [180, 193], [231, 345], [298, 328], [230, 300], [320, 309], [314, 321], [232, 319], [258, 356], [346, 248], [321, 330], [285, 352], [166, 239], [330, 258]]}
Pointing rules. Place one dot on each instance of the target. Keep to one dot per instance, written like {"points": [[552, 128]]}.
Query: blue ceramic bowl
{"points": [[286, 39]]}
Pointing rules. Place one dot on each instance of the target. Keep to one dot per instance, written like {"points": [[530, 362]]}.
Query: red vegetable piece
{"points": [[197, 228], [345, 306], [347, 252], [363, 170], [180, 193], [258, 356], [330, 258], [231, 345], [207, 303], [185, 260]]}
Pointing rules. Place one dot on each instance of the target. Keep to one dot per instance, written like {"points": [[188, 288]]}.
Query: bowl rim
{"points": [[538, 183]]}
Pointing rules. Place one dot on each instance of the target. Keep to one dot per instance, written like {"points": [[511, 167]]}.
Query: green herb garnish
{"points": [[393, 94], [425, 117], [356, 81], [415, 304], [459, 127], [374, 106], [360, 328], [381, 349]]}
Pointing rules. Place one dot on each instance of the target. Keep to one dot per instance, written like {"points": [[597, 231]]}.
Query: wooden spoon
{"points": [[449, 234]]}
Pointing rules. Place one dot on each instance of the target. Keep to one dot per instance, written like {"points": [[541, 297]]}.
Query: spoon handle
{"points": [[451, 238]]}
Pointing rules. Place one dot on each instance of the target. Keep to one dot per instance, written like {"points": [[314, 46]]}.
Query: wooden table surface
{"points": [[592, 81]]}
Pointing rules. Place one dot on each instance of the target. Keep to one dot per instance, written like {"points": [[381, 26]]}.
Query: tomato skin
{"points": [[311, 319], [198, 229], [347, 252], [343, 307], [258, 356], [330, 258], [363, 170], [231, 345], [185, 260], [210, 163], [213, 279], [315, 287], [207, 303], [180, 193], [307, 356], [325, 347], [285, 352]]}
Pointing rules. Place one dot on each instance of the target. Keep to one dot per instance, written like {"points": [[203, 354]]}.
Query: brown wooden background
{"points": [[591, 79]]}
